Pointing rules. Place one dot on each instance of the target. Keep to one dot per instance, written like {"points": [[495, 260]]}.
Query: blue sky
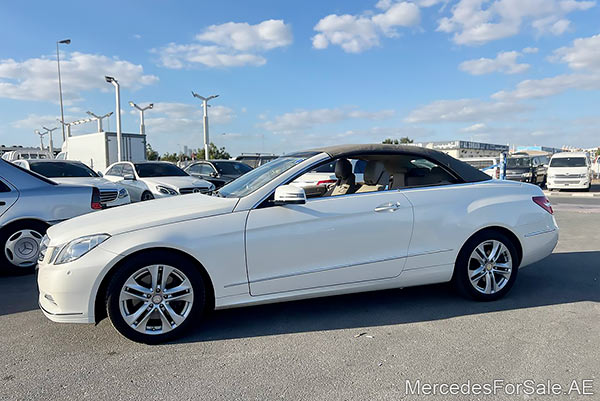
{"points": [[293, 75]]}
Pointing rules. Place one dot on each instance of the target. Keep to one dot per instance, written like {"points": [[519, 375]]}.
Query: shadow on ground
{"points": [[561, 278]]}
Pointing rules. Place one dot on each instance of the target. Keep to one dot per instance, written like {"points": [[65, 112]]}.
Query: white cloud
{"points": [[531, 50], [232, 44], [475, 22], [538, 88], [463, 110], [475, 128], [583, 55], [505, 62], [307, 119], [36, 78], [356, 33], [177, 118]]}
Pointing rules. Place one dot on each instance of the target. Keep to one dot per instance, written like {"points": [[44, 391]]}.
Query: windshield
{"points": [[258, 177], [568, 162], [146, 170], [518, 162], [232, 168], [62, 169]]}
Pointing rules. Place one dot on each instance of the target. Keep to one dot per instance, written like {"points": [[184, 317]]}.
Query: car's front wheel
{"points": [[155, 297], [487, 266], [147, 196]]}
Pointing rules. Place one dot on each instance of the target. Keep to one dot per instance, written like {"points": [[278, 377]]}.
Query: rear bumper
{"points": [[538, 245]]}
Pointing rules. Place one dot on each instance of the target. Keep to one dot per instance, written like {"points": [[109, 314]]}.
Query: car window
{"points": [[147, 170], [127, 170], [116, 170], [231, 168], [4, 187], [359, 167], [568, 162], [60, 169], [32, 173], [204, 169]]}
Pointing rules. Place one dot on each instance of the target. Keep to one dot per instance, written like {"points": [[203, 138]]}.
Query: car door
{"points": [[135, 187], [8, 196], [328, 241]]}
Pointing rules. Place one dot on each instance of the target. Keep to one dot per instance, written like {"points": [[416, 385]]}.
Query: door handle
{"points": [[388, 207], [2, 203]]}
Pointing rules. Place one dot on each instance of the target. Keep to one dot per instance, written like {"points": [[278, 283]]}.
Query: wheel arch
{"points": [[24, 220], [99, 301]]}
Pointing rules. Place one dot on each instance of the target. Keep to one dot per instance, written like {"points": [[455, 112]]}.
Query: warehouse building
{"points": [[463, 149]]}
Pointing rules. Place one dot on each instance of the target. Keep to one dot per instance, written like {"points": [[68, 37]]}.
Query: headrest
{"points": [[343, 169], [374, 171]]}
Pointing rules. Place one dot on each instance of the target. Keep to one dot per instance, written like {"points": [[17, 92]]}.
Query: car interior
{"points": [[383, 172]]}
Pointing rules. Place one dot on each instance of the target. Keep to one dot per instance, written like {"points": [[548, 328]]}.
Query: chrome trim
{"points": [[534, 233], [58, 314], [324, 269]]}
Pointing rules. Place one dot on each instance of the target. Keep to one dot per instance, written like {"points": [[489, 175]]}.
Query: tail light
{"points": [[497, 173], [323, 182], [544, 203], [96, 205]]}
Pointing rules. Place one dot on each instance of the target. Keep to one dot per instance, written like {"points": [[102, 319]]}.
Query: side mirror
{"points": [[100, 173], [214, 175], [129, 177], [289, 195]]}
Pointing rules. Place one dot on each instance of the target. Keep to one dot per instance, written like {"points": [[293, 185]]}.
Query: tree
{"points": [[213, 152], [170, 157], [151, 154], [403, 140]]}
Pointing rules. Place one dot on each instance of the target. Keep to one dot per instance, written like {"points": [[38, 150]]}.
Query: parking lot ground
{"points": [[355, 347], [593, 192]]}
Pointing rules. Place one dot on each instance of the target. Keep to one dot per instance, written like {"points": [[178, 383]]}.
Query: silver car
{"points": [[29, 204]]}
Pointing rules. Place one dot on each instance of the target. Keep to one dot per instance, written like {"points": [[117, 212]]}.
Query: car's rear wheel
{"points": [[147, 196], [20, 243], [155, 297], [487, 266]]}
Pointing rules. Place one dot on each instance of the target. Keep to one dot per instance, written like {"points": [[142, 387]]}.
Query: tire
{"points": [[484, 271], [20, 245], [147, 196], [159, 320]]}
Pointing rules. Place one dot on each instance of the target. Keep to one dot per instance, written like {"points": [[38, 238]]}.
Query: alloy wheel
{"points": [[156, 299], [23, 247], [490, 267]]}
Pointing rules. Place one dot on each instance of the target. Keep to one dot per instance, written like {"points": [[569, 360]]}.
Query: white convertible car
{"points": [[418, 217]]}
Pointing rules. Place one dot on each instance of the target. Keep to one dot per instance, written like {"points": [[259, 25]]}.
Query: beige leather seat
{"points": [[376, 178], [345, 179]]}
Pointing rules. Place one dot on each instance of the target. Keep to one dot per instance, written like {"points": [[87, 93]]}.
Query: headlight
{"points": [[123, 193], [165, 190], [79, 247], [526, 174], [43, 247]]}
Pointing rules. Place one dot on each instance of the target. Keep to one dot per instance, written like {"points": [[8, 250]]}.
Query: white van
{"points": [[489, 165], [570, 170]]}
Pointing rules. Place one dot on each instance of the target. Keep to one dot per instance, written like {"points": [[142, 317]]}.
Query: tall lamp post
{"points": [[41, 134], [62, 115], [49, 132], [99, 118], [142, 109], [114, 82], [205, 107]]}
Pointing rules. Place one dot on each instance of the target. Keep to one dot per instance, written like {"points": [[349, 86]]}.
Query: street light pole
{"points": [[205, 107], [49, 132], [142, 109], [37, 131], [99, 118], [62, 115], [114, 82]]}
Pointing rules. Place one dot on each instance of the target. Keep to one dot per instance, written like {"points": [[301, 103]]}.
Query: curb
{"points": [[573, 194]]}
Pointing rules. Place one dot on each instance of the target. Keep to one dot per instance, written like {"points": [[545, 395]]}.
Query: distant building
{"points": [[462, 149], [545, 149]]}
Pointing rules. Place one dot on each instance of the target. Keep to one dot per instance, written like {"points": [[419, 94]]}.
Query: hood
{"points": [[98, 182], [178, 182], [141, 215]]}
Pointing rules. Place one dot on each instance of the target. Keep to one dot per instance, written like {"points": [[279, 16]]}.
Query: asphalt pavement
{"points": [[354, 347]]}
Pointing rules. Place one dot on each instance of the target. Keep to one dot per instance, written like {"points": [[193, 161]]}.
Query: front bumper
{"points": [[518, 178], [566, 183], [68, 291]]}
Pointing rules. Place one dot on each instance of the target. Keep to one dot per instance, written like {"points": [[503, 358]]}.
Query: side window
{"points": [[359, 167], [127, 170], [205, 169], [116, 170], [4, 187], [422, 172]]}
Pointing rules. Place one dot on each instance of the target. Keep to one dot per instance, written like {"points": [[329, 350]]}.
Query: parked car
{"points": [[219, 172], [325, 174], [29, 204], [570, 170], [26, 153], [150, 180], [526, 168], [76, 173], [420, 217], [489, 165], [256, 159]]}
